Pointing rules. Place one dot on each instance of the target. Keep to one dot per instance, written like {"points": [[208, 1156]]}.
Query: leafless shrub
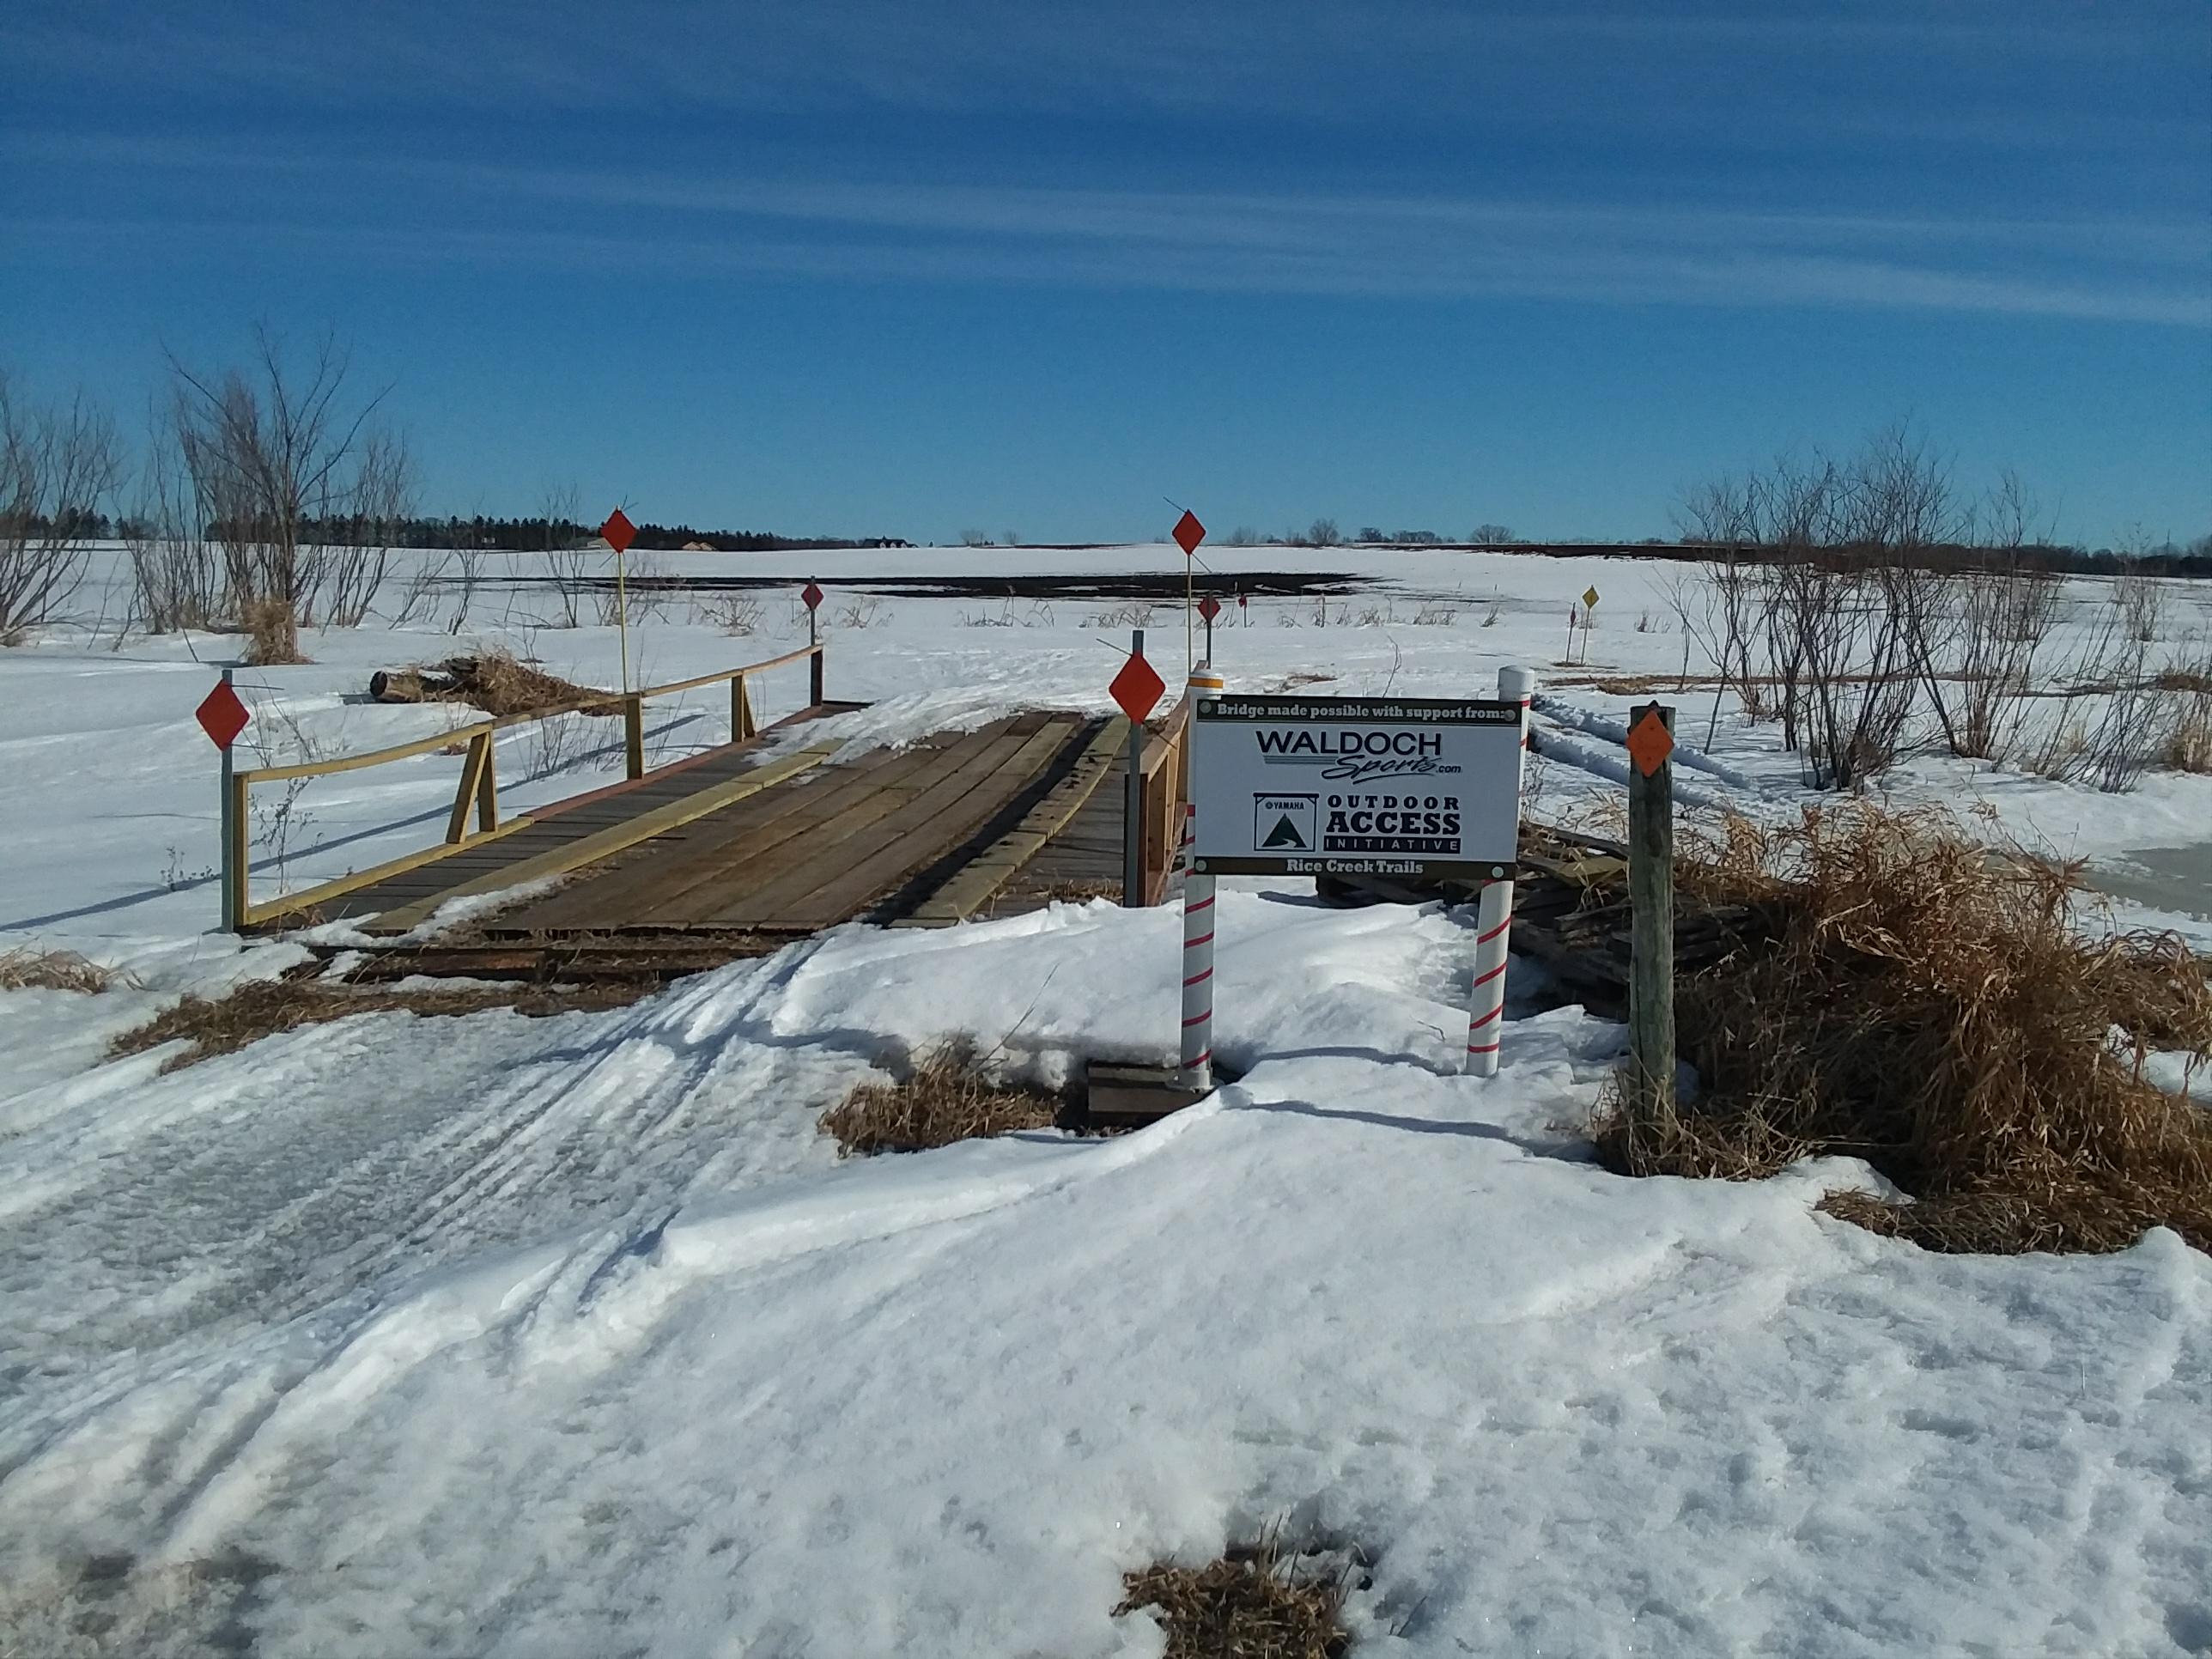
{"points": [[463, 577], [642, 588], [279, 739], [867, 610], [58, 465], [1323, 617], [176, 575], [734, 613], [1978, 657], [569, 560], [419, 593], [2142, 603], [553, 744], [975, 538], [1436, 614], [1843, 615], [2118, 740], [296, 491]]}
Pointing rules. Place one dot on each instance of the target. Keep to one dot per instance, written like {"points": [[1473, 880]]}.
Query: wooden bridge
{"points": [[770, 834]]}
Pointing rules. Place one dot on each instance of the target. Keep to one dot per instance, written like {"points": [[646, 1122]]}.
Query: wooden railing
{"points": [[1167, 786], [477, 796]]}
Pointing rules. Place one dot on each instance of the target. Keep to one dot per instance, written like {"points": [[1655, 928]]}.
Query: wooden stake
{"points": [[1651, 964], [233, 837]]}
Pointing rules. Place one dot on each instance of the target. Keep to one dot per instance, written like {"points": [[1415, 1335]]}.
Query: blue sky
{"points": [[906, 267]]}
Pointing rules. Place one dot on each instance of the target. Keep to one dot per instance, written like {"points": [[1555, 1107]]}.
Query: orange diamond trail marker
{"points": [[812, 595], [1649, 742], [1209, 607], [618, 532], [1590, 597], [1189, 532], [1137, 688], [221, 715]]}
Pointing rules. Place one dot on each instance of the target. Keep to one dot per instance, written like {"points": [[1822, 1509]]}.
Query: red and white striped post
{"points": [[1494, 916], [1198, 926]]}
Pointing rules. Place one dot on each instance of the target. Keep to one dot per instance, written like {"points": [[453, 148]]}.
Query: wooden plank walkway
{"points": [[725, 846]]}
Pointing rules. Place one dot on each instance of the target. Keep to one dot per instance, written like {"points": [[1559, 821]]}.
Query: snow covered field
{"points": [[573, 1337]]}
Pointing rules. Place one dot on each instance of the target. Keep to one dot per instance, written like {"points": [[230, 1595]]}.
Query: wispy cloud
{"points": [[1334, 249], [1292, 55]]}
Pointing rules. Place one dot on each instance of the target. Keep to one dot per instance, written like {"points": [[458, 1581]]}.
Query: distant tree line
{"points": [[532, 535]]}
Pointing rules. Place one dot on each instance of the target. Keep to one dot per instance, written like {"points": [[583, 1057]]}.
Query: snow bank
{"points": [[580, 1343]]}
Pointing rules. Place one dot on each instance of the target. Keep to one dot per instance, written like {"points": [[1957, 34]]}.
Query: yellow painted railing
{"points": [[477, 796], [1167, 786]]}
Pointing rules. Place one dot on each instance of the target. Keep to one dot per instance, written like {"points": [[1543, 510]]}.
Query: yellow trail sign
{"points": [[1590, 597]]}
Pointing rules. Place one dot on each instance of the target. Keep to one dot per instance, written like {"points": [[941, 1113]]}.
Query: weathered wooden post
{"points": [[811, 593], [1650, 1084], [633, 735], [234, 836], [1132, 835], [741, 710], [222, 717]]}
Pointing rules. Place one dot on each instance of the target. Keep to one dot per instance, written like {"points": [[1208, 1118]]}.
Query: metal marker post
{"points": [[814, 663], [230, 876], [1133, 827], [1651, 925], [1493, 924], [1198, 923], [622, 616]]}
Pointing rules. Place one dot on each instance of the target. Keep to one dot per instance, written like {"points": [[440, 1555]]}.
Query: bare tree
{"points": [[280, 466], [567, 557], [176, 576], [58, 466]]}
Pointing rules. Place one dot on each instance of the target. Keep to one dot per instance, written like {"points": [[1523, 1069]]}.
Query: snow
{"points": [[573, 1335]]}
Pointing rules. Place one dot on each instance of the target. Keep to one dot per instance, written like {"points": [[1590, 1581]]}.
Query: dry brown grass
{"points": [[222, 1026], [272, 634], [1080, 891], [1928, 1007], [2188, 746], [948, 1095], [28, 969], [503, 685], [493, 681], [1254, 1602]]}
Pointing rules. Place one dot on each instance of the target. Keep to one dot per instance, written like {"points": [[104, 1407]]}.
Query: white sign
{"points": [[1370, 786]]}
